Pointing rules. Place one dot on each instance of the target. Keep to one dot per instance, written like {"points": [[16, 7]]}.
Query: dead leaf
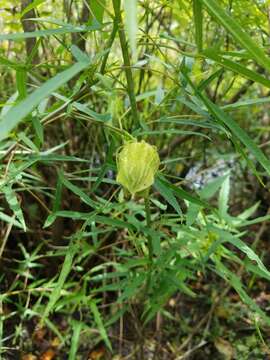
{"points": [[39, 333], [48, 355], [55, 342], [29, 357], [224, 348], [97, 354]]}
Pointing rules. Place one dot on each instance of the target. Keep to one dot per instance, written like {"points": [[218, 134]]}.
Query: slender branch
{"points": [[125, 54]]}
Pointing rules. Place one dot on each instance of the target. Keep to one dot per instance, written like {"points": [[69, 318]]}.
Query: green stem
{"points": [[125, 54], [148, 222], [108, 46]]}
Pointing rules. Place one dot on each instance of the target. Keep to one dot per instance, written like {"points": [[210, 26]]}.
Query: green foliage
{"points": [[190, 78]]}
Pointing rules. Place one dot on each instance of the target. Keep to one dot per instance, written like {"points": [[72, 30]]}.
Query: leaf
{"points": [[100, 325], [8, 219], [66, 268], [13, 203], [198, 21], [227, 237], [237, 32], [18, 112], [159, 96], [246, 102], [38, 128], [92, 113], [58, 31], [78, 54], [31, 6], [76, 190], [114, 222], [168, 195], [237, 285], [58, 195], [75, 339], [174, 132], [204, 83], [97, 9], [27, 141], [182, 194], [21, 76], [211, 188], [236, 67], [237, 131], [225, 348], [130, 7], [74, 215], [192, 214]]}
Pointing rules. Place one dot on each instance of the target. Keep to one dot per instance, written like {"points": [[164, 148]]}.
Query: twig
{"points": [[6, 236]]}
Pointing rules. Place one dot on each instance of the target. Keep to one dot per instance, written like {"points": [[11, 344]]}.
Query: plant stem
{"points": [[125, 54], [148, 222], [108, 46]]}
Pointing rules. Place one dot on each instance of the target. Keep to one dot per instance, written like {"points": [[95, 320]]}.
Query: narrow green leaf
{"points": [[237, 131], [236, 67], [211, 188], [168, 195], [76, 190], [97, 9], [114, 222], [77, 327], [92, 113], [41, 33], [182, 194], [100, 325], [13, 203], [38, 128], [237, 32], [246, 102], [31, 6], [21, 76], [227, 237], [66, 268], [8, 219], [58, 195], [237, 285], [18, 112], [78, 54]]}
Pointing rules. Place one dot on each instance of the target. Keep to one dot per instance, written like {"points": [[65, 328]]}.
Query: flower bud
{"points": [[137, 164]]}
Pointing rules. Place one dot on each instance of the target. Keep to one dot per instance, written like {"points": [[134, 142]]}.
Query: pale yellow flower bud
{"points": [[137, 164]]}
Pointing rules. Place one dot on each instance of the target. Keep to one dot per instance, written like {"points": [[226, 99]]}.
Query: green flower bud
{"points": [[137, 164]]}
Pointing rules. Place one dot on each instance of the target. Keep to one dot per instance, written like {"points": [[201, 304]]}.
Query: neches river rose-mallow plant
{"points": [[137, 165]]}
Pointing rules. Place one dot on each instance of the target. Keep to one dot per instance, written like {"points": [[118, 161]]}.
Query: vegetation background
{"points": [[89, 272]]}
